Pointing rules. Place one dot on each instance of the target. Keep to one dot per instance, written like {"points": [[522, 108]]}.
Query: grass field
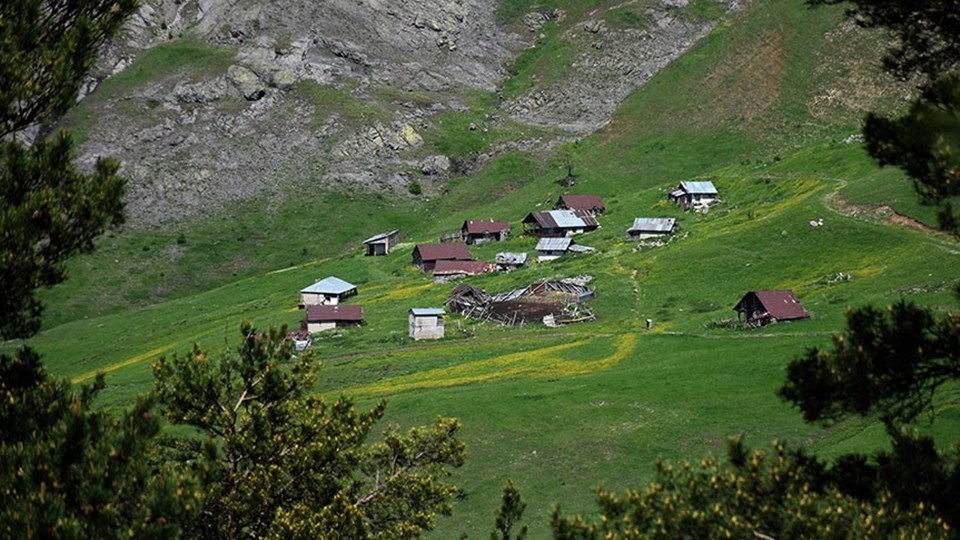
{"points": [[561, 411]]}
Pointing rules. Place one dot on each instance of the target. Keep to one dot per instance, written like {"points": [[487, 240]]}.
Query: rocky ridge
{"points": [[193, 142]]}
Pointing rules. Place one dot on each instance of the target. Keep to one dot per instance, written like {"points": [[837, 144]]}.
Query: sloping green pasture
{"points": [[560, 411]]}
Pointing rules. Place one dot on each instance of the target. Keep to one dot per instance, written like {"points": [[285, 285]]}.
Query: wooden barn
{"points": [[321, 318], [590, 204], [328, 291], [426, 323], [559, 223], [690, 195], [478, 231], [382, 243], [765, 307], [644, 228], [425, 256]]}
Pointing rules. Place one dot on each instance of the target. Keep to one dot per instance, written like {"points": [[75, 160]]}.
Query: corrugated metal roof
{"points": [[653, 224], [554, 244], [566, 219], [329, 285], [339, 312], [511, 258], [698, 187], [381, 236], [485, 226], [435, 252], [426, 312]]}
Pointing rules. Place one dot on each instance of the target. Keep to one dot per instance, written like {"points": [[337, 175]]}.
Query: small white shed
{"points": [[426, 323]]}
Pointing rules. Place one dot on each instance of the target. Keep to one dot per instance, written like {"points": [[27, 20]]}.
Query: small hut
{"points": [[381, 244], [644, 228], [766, 307], [321, 318], [426, 323], [591, 204], [690, 195], [425, 256], [478, 231]]}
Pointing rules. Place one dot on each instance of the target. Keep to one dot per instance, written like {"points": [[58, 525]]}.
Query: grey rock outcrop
{"points": [[315, 94]]}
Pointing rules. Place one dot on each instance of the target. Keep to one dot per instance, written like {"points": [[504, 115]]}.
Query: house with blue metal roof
{"points": [[329, 291]]}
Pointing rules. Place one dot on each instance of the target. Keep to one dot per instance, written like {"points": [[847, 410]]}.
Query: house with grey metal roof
{"points": [[559, 223], [507, 261], [380, 244], [426, 323], [644, 228], [328, 291], [694, 194], [549, 249]]}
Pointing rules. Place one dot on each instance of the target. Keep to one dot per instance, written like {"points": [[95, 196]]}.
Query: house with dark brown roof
{"points": [[559, 223], [766, 307], [591, 204], [320, 317], [478, 231], [446, 271], [425, 256]]}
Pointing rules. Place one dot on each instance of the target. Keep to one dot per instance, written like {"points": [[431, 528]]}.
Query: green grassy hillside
{"points": [[763, 108]]}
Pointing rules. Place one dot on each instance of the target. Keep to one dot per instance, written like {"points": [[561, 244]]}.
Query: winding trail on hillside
{"points": [[879, 212]]}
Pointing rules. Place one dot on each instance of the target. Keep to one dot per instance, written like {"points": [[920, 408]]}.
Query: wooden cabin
{"points": [[644, 228], [766, 307], [689, 195], [321, 318], [425, 256], [478, 231], [382, 243], [559, 223], [590, 204]]}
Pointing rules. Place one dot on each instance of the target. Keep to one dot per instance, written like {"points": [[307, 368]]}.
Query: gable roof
{"points": [[485, 226], [554, 244], [561, 219], [436, 252], [781, 304], [445, 267], [705, 188], [426, 312], [339, 312], [581, 202], [329, 285], [381, 236], [653, 224]]}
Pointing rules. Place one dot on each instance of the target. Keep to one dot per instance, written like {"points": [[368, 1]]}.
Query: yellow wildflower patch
{"points": [[540, 363]]}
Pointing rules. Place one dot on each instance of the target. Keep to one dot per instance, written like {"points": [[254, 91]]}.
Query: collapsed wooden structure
{"points": [[553, 303]]}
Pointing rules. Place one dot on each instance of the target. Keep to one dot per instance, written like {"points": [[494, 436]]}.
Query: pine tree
{"points": [[281, 462]]}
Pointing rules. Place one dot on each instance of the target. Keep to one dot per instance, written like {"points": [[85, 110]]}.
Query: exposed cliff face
{"points": [[340, 93]]}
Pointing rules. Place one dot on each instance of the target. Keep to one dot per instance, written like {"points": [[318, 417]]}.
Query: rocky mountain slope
{"points": [[302, 96]]}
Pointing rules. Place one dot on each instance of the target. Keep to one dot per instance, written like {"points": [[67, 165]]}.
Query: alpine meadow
{"points": [[747, 326]]}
